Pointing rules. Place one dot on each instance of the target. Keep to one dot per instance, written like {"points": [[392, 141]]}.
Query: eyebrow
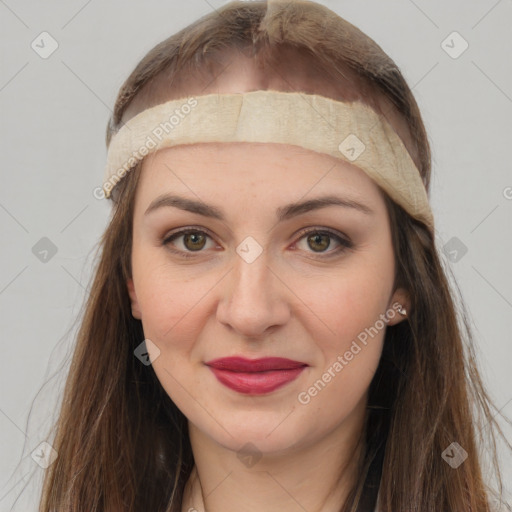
{"points": [[283, 213]]}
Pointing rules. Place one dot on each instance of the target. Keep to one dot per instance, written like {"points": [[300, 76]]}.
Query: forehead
{"points": [[261, 172]]}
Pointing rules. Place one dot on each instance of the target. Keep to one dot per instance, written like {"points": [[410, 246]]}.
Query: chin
{"points": [[266, 432]]}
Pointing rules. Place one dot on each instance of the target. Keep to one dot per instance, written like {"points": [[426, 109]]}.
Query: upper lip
{"points": [[241, 364]]}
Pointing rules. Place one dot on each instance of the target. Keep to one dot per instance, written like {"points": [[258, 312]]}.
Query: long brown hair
{"points": [[122, 443]]}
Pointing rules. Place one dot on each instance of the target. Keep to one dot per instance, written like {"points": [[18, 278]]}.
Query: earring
{"points": [[402, 311]]}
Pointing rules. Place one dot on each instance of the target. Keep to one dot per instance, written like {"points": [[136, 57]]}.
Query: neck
{"points": [[316, 477]]}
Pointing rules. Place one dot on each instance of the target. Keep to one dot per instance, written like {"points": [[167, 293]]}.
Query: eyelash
{"points": [[344, 243]]}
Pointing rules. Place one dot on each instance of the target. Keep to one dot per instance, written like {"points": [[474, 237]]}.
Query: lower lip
{"points": [[257, 383]]}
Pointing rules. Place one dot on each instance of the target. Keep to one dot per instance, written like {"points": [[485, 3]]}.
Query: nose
{"points": [[254, 299]]}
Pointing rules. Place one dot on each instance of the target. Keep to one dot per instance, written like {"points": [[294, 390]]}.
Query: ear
{"points": [[133, 297], [399, 298]]}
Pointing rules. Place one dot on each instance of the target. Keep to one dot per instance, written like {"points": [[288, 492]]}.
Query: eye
{"points": [[188, 240], [318, 240]]}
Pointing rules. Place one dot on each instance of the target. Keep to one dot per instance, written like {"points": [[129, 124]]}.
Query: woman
{"points": [[270, 326]]}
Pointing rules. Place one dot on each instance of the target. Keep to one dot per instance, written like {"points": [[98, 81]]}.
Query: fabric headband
{"points": [[351, 131]]}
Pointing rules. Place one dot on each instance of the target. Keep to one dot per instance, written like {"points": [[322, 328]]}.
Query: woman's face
{"points": [[227, 263]]}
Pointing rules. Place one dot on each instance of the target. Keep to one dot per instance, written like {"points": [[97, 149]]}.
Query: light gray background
{"points": [[53, 117]]}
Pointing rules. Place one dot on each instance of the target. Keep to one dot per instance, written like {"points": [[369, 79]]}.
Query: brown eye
{"points": [[319, 241], [194, 241], [189, 241]]}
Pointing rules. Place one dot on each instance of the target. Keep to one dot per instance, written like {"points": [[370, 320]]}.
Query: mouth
{"points": [[255, 376]]}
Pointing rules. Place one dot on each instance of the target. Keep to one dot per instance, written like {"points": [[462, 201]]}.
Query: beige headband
{"points": [[353, 132]]}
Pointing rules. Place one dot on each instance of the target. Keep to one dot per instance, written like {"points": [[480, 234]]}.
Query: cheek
{"points": [[172, 308], [352, 308], [174, 311], [353, 301], [349, 358], [166, 294]]}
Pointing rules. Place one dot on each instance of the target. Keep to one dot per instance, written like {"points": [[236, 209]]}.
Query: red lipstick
{"points": [[255, 376]]}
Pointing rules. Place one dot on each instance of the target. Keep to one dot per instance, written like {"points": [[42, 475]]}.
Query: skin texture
{"points": [[297, 299]]}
